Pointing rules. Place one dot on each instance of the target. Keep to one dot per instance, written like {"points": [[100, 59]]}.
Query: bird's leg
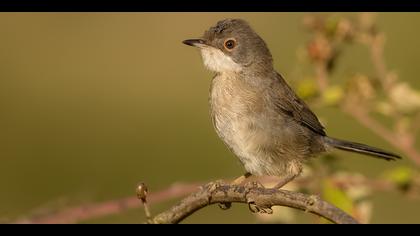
{"points": [[267, 209], [241, 179], [284, 181], [253, 207], [294, 169]]}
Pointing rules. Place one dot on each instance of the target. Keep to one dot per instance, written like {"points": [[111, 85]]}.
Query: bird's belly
{"points": [[258, 148], [257, 138]]}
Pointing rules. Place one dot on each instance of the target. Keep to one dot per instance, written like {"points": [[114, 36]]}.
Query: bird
{"points": [[256, 113]]}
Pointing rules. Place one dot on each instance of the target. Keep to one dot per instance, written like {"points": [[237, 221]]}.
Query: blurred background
{"points": [[91, 104]]}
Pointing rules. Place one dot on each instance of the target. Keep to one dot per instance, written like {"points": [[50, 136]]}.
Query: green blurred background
{"points": [[93, 103]]}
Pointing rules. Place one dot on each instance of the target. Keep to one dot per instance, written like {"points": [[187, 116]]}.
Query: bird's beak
{"points": [[195, 42]]}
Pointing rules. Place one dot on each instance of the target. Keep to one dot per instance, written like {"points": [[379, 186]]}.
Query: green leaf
{"points": [[384, 108], [332, 95], [337, 197], [331, 25], [401, 175], [307, 88]]}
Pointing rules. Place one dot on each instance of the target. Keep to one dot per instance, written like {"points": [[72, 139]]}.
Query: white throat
{"points": [[215, 60]]}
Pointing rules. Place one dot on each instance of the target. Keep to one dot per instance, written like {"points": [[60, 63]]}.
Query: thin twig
{"points": [[415, 127], [142, 192], [86, 212], [322, 78], [376, 48]]}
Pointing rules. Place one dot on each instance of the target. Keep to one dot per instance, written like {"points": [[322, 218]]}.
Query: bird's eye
{"points": [[230, 44]]}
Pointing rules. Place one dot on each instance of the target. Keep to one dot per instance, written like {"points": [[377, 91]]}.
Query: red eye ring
{"points": [[230, 44]]}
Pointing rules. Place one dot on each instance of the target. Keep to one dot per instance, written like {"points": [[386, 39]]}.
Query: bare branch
{"points": [[91, 211], [322, 78], [376, 47], [260, 199]]}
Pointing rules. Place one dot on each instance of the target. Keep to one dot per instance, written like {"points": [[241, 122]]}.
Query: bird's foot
{"points": [[253, 206], [225, 205]]}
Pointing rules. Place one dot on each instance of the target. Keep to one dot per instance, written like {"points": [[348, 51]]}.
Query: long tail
{"points": [[361, 148]]}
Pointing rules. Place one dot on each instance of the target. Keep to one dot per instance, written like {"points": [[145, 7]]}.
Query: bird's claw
{"points": [[254, 208], [225, 205]]}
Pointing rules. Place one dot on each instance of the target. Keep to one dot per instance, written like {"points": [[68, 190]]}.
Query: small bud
{"points": [[319, 49], [141, 192], [345, 29]]}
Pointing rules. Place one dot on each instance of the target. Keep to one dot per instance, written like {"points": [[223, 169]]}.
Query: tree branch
{"points": [[260, 199], [90, 211], [322, 78]]}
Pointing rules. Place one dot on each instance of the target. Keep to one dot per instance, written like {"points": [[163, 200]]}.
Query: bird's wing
{"points": [[290, 104]]}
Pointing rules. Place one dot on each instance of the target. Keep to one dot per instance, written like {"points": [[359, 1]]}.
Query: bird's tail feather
{"points": [[361, 148]]}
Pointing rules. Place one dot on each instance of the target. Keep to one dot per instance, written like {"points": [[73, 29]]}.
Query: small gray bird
{"points": [[256, 114]]}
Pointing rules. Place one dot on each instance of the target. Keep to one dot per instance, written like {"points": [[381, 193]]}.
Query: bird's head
{"points": [[232, 46]]}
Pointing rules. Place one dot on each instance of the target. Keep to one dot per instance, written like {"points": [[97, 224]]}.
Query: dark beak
{"points": [[194, 42]]}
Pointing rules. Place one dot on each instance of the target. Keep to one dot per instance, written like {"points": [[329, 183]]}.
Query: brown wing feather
{"points": [[290, 104]]}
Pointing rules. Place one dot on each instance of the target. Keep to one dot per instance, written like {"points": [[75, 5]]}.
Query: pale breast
{"points": [[233, 104], [239, 116]]}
